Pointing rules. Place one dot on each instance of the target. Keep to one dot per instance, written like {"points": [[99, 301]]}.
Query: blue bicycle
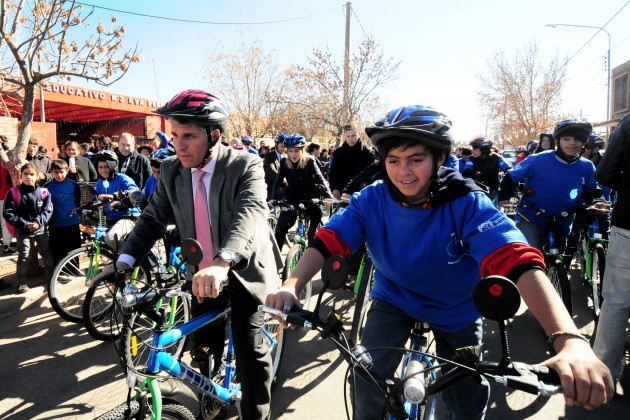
{"points": [[148, 400]]}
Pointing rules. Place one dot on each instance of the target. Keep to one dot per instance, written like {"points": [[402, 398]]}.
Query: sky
{"points": [[443, 45]]}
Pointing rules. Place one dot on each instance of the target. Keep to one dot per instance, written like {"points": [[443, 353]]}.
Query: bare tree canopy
{"points": [[522, 94], [318, 86], [251, 83], [45, 39]]}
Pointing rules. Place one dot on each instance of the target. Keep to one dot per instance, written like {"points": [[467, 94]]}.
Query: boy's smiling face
{"points": [[410, 170]]}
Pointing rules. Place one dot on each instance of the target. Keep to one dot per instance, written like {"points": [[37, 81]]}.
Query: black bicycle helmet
{"points": [[294, 140], [418, 122], [482, 143], [108, 157], [532, 145], [580, 130], [594, 141]]}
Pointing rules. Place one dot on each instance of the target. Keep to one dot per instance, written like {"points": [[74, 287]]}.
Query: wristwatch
{"points": [[227, 256]]}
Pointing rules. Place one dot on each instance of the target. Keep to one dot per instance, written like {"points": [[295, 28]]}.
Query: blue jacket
{"points": [[66, 196], [427, 260], [119, 183], [33, 207]]}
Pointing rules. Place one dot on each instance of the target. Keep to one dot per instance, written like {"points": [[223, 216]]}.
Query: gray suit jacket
{"points": [[238, 213]]}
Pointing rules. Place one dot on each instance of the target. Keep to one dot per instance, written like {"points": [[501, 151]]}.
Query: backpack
{"points": [[17, 198]]}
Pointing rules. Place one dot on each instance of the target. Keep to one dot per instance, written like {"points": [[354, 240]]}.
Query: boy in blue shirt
{"points": [[557, 182], [432, 235], [63, 226]]}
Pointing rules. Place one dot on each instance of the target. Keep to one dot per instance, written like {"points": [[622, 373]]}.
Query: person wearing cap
{"points": [[422, 212], [248, 145], [217, 196]]}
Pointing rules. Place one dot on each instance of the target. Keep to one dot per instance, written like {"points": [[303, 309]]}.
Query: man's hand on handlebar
{"points": [[586, 381], [107, 271], [209, 281]]}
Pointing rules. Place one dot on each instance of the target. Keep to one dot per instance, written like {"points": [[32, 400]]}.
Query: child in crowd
{"points": [[63, 228], [28, 208]]}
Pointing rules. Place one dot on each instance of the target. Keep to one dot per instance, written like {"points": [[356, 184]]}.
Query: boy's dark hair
{"points": [[466, 151], [42, 149], [59, 165], [29, 166], [387, 144], [312, 147], [85, 146]]}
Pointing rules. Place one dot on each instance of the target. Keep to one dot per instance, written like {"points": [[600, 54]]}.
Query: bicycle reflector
{"points": [[192, 252], [496, 298]]}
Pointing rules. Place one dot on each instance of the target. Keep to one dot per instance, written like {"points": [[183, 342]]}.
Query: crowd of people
{"points": [[423, 208]]}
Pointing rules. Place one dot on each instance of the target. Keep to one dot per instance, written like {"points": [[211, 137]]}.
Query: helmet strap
{"points": [[211, 143]]}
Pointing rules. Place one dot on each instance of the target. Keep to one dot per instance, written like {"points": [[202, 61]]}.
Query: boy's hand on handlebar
{"points": [[284, 299], [586, 381]]}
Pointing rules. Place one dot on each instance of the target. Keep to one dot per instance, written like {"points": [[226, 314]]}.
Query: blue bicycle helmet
{"points": [[246, 140], [580, 130], [279, 138], [160, 154], [418, 122], [295, 140]]}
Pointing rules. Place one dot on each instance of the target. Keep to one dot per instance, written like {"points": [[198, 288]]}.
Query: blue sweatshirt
{"points": [[427, 260], [33, 207], [120, 182], [557, 187], [66, 196]]}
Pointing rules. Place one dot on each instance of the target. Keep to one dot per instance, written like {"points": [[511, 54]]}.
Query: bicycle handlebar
{"points": [[521, 376]]}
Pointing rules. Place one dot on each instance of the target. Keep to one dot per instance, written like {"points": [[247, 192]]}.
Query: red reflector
{"points": [[193, 249], [336, 265], [496, 290]]}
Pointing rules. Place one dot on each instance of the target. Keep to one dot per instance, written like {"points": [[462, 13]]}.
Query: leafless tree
{"points": [[521, 95], [41, 40]]}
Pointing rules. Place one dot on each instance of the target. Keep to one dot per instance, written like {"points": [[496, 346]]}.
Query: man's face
{"points": [[59, 174], [317, 152], [103, 169], [31, 149], [410, 170], [262, 143], [280, 148], [191, 143], [351, 137], [155, 172], [72, 150], [126, 145], [570, 146]]}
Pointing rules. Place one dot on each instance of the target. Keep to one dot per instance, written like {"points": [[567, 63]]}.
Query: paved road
{"points": [[53, 369]]}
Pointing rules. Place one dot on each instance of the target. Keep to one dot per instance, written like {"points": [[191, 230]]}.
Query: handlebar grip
{"points": [[127, 301]]}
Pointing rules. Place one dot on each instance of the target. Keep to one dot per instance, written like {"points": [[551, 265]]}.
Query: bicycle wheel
{"points": [[362, 300], [273, 335], [560, 280], [102, 317], [294, 255], [171, 411], [598, 267], [66, 287], [138, 333]]}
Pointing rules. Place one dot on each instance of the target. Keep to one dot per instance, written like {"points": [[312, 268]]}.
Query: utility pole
{"points": [[345, 114]]}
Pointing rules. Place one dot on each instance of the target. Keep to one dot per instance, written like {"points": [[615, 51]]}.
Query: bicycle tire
{"points": [[362, 301], [598, 268], [274, 338], [138, 334], [294, 255], [102, 317], [560, 281], [66, 287], [171, 411]]}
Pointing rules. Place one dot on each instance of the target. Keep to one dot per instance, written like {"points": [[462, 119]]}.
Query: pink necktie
{"points": [[202, 221]]}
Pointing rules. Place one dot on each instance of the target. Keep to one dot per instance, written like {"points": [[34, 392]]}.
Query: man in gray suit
{"points": [[241, 252]]}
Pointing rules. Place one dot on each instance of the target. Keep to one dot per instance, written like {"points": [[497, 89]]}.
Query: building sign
{"points": [[95, 98]]}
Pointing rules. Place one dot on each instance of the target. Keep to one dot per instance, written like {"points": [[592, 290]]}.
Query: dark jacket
{"points": [[138, 168], [271, 165], [302, 183], [33, 207], [613, 171], [42, 162], [347, 162], [85, 170]]}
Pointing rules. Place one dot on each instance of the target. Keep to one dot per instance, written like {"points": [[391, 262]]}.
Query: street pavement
{"points": [[53, 369]]}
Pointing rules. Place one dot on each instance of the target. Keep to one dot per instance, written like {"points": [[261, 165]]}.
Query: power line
{"points": [[203, 22], [595, 34], [357, 18]]}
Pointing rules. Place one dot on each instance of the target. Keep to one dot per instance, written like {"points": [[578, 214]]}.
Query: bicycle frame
{"points": [[159, 360]]}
